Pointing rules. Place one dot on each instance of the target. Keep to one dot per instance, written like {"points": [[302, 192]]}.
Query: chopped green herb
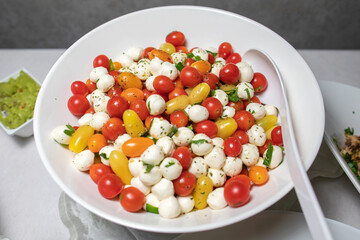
{"points": [[268, 156], [111, 65], [190, 55], [190, 127], [202, 193], [212, 93], [151, 123], [200, 141], [233, 95], [148, 167], [169, 164], [248, 95], [198, 58], [212, 53], [173, 131], [179, 66], [258, 88], [70, 130], [148, 106], [121, 197], [349, 131], [151, 208], [103, 155]]}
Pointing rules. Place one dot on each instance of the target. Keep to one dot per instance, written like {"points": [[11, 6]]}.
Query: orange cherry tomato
{"points": [[134, 147], [160, 54], [128, 80], [178, 83], [149, 119], [203, 66], [182, 49], [146, 52], [132, 94], [258, 175], [91, 85], [90, 110], [97, 142], [117, 65]]}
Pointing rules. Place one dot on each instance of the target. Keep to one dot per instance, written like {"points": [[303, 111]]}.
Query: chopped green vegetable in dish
{"points": [[351, 151]]}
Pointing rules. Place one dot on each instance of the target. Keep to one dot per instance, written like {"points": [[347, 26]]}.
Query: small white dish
{"points": [[341, 111], [26, 129]]}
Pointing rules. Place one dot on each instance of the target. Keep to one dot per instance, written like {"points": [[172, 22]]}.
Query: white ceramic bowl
{"points": [[202, 27]]}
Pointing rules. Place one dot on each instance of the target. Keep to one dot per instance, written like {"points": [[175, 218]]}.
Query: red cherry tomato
{"points": [[232, 147], [259, 82], [229, 74], [102, 61], [113, 128], [190, 76], [211, 58], [254, 99], [139, 106], [188, 62], [79, 87], [244, 120], [225, 49], [132, 199], [182, 49], [98, 170], [233, 58], [212, 80], [241, 136], [146, 52], [176, 38], [78, 104], [276, 136], [114, 74], [207, 127], [110, 185], [147, 93], [184, 156], [244, 171], [236, 105], [163, 84], [241, 178], [115, 91], [176, 92], [184, 184], [263, 148], [214, 107], [236, 193], [116, 106], [90, 85], [179, 118]]}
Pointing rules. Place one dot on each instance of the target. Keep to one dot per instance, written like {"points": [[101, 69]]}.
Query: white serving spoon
{"points": [[314, 216]]}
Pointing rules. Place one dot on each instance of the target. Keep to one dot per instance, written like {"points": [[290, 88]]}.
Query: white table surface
{"points": [[29, 197]]}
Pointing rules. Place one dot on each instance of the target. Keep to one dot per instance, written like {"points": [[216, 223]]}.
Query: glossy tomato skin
{"points": [[181, 49], [233, 58], [225, 49], [115, 91], [139, 106], [179, 118], [184, 156], [254, 99], [232, 147], [214, 107], [264, 147], [90, 85], [229, 74], [78, 104], [207, 127], [98, 170], [259, 82], [212, 80], [113, 128], [190, 76], [79, 87], [211, 58], [132, 199], [102, 61], [244, 120], [116, 106], [146, 52], [96, 142], [184, 184], [110, 185], [241, 136], [244, 171], [238, 106], [188, 62], [163, 84], [276, 136], [258, 175], [236, 193], [135, 146], [176, 38], [176, 92], [241, 178]]}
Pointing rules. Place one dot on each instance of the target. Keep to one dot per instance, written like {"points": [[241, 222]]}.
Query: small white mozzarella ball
{"points": [[198, 113], [216, 67], [105, 83], [150, 83], [101, 105], [155, 66], [257, 135], [198, 167], [261, 162], [249, 155], [170, 168], [246, 71], [96, 96], [120, 141], [200, 53], [163, 189], [153, 155], [142, 70], [58, 134], [159, 128], [183, 136], [155, 104], [187, 109], [98, 120], [215, 158], [271, 110], [276, 156], [152, 177], [228, 112], [212, 49], [104, 154], [125, 60], [169, 208], [186, 203], [167, 145], [152, 200], [256, 109], [169, 70], [135, 166], [83, 160], [201, 144], [178, 57], [216, 199], [85, 119], [233, 166], [220, 60], [218, 177], [130, 69], [134, 53], [136, 182], [243, 89], [218, 142], [88, 97], [221, 96], [96, 73]]}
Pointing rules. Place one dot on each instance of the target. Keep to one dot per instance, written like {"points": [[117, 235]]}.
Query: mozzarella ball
{"points": [[120, 141], [96, 73], [183, 136], [152, 200], [216, 67], [101, 104], [150, 83], [98, 120], [228, 112], [135, 166], [276, 156], [170, 168], [261, 162], [257, 135], [187, 109], [198, 167], [186, 203], [163, 189], [134, 53], [178, 57], [85, 119], [83, 160], [58, 134], [201, 144], [212, 49], [105, 83], [159, 128], [249, 155], [198, 113], [150, 177], [218, 142], [153, 155], [88, 97], [220, 60], [136, 182], [167, 145], [221, 96], [233, 166], [271, 110], [96, 96], [245, 90], [142, 70], [169, 70], [104, 154], [169, 208], [216, 199], [218, 177], [246, 71], [155, 104], [256, 109], [155, 66], [125, 60], [200, 53], [216, 158]]}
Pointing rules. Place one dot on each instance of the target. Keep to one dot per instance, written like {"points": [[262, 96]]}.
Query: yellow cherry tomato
{"points": [[258, 175], [178, 103], [203, 188], [79, 140], [268, 132], [227, 87], [168, 48], [202, 66], [129, 80], [134, 147], [119, 163], [226, 127], [199, 93], [133, 124], [267, 122]]}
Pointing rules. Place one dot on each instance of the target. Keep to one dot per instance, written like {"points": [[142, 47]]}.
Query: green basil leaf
{"points": [[268, 156], [151, 208]]}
